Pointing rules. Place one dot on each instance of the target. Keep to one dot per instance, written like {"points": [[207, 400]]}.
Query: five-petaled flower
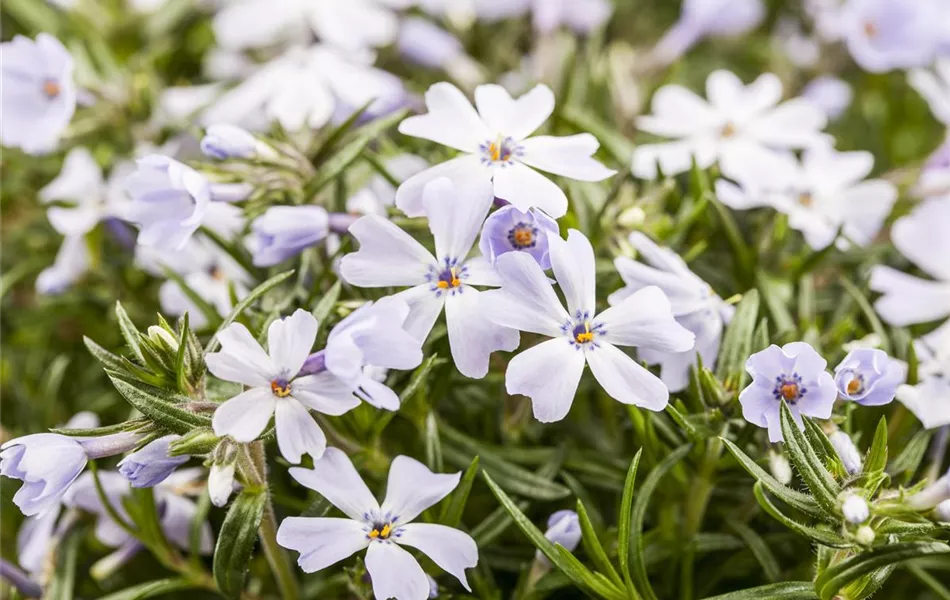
{"points": [[869, 376], [550, 372], [388, 256], [381, 529], [275, 388], [497, 147], [794, 373]]}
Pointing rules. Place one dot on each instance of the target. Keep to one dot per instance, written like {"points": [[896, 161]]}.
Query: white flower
{"points": [[929, 399], [934, 86], [225, 141], [382, 529], [550, 372], [349, 24], [388, 256], [37, 93], [563, 529], [220, 483], [303, 88], [824, 192], [922, 238], [89, 197], [847, 451], [830, 94], [71, 263], [736, 122], [855, 509], [886, 34], [695, 306], [702, 18], [275, 387], [497, 148]]}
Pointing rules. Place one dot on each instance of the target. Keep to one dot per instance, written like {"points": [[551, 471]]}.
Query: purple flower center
{"points": [[500, 151], [581, 331], [789, 388], [447, 279], [523, 236]]}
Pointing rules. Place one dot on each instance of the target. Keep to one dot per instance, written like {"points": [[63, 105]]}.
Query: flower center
{"points": [[870, 29], [523, 236], [501, 150], [447, 279], [280, 387], [806, 199], [789, 387], [856, 385], [51, 88], [728, 130], [581, 331], [380, 531]]}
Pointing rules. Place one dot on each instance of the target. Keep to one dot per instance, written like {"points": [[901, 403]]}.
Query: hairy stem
{"points": [[276, 557]]}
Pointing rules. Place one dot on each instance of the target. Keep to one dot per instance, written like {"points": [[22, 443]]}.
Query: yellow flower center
{"points": [[51, 89], [380, 533], [280, 388], [449, 279], [790, 391]]}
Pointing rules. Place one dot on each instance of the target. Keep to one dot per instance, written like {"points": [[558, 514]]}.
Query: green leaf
{"points": [[325, 306], [236, 541], [593, 547], [563, 560], [942, 592], [802, 455], [759, 548], [152, 589], [131, 425], [433, 444], [452, 513], [841, 574], [911, 456], [737, 341], [793, 498], [744, 256], [351, 150], [639, 515], [624, 520], [790, 590], [244, 304], [820, 536], [328, 144], [129, 331], [155, 405], [823, 448]]}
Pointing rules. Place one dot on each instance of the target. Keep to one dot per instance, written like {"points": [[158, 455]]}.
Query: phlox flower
{"points": [[737, 121], [564, 529], [70, 264], [934, 86], [151, 465], [702, 18], [921, 238], [382, 530], [510, 230], [38, 93], [694, 303], [285, 231], [869, 377], [826, 191], [350, 25], [929, 399], [87, 196], [550, 372], [496, 147], [275, 389], [794, 373], [388, 256], [581, 16], [303, 88], [882, 35]]}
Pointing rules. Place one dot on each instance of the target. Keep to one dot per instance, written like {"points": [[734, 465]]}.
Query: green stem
{"points": [[276, 557]]}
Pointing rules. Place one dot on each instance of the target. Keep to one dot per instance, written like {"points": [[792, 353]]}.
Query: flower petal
{"points": [[334, 477], [290, 340], [395, 573], [325, 393], [244, 416], [678, 112], [297, 432], [321, 542], [456, 212], [526, 301], [412, 488], [526, 188], [624, 379], [472, 337], [908, 299], [451, 549], [409, 193], [480, 271], [424, 308], [570, 156], [241, 358], [645, 319], [388, 256], [451, 120], [549, 374], [514, 118], [573, 264], [922, 237]]}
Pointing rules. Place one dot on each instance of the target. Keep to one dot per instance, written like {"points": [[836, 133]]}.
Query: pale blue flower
{"points": [[794, 373], [151, 465], [707, 18], [882, 35], [511, 230], [38, 93], [869, 377], [285, 231], [383, 530], [563, 528], [225, 141], [550, 372]]}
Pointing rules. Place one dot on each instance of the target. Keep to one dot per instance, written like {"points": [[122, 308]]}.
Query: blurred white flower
{"points": [[88, 198], [706, 18], [497, 148], [830, 94], [737, 122], [563, 528], [823, 192], [847, 452], [882, 35], [934, 85], [37, 93]]}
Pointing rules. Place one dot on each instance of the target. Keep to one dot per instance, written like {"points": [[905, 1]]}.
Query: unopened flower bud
{"points": [[865, 535], [855, 509], [943, 511], [220, 483], [780, 468], [564, 529], [152, 464], [227, 141], [162, 337], [847, 451]]}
